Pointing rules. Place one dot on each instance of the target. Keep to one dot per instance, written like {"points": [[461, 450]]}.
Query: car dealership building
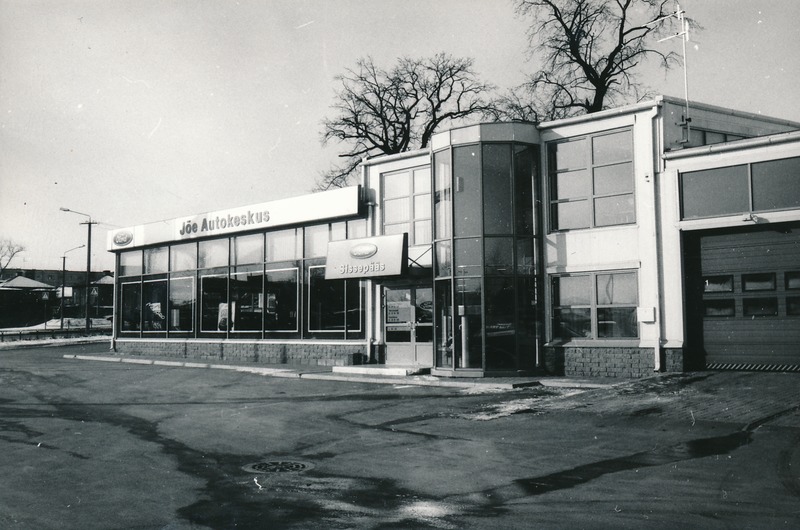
{"points": [[617, 243]]}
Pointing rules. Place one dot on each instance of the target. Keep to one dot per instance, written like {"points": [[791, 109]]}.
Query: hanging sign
{"points": [[367, 257]]}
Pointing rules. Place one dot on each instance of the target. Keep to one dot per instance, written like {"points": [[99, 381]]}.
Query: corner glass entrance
{"points": [[486, 316], [408, 325]]}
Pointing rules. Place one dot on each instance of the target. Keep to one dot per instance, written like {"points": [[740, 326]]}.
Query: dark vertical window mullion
{"points": [[750, 187]]}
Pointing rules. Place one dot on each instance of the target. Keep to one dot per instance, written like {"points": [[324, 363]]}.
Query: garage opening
{"points": [[743, 298]]}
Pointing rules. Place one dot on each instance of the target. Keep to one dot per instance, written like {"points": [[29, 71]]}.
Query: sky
{"points": [[133, 111]]}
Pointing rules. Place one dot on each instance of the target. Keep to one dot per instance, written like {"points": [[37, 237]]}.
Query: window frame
{"points": [[411, 195], [594, 306], [590, 195]]}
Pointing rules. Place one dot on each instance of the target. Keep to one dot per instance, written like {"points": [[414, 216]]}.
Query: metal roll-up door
{"points": [[743, 293]]}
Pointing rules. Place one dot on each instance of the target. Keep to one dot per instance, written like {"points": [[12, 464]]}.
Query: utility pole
{"points": [[88, 224], [64, 279]]}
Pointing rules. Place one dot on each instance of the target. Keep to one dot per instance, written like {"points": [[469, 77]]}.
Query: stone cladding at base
{"points": [[592, 361], [310, 353]]}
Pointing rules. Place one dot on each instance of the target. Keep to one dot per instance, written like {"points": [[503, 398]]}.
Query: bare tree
{"points": [[383, 112], [591, 51], [8, 249]]}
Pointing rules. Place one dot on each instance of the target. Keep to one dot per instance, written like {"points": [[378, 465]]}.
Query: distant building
{"points": [[617, 243], [33, 305]]}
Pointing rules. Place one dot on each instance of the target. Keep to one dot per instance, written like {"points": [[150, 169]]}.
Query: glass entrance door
{"points": [[408, 325]]}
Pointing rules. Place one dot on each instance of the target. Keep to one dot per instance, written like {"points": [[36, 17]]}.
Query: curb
{"points": [[23, 344], [325, 375]]}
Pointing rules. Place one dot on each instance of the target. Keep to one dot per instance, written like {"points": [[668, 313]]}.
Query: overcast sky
{"points": [[134, 111]]}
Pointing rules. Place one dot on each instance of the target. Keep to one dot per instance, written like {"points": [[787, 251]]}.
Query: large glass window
{"points": [[183, 257], [280, 300], [591, 181], [213, 253], [181, 304], [407, 204], [714, 192], [131, 306], [214, 303], [248, 249], [595, 305], [776, 184], [316, 241], [130, 263], [247, 300], [327, 302], [154, 306], [284, 245], [467, 219], [443, 195], [524, 168], [470, 322], [156, 260], [497, 210], [501, 339]]}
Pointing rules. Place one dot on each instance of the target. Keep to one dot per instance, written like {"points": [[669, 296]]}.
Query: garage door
{"points": [[745, 306]]}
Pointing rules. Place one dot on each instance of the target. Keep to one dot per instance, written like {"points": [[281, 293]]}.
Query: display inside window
{"points": [[469, 323], [718, 284], [758, 282], [154, 306], [760, 307], [181, 304], [214, 303], [247, 301], [280, 300], [719, 308], [792, 280]]}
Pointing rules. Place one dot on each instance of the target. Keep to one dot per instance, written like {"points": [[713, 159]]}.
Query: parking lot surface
{"points": [[96, 444]]}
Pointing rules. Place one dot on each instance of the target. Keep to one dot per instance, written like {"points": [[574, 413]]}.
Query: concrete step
{"points": [[382, 369]]}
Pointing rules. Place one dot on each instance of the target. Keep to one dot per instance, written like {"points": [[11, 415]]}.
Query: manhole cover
{"points": [[278, 466]]}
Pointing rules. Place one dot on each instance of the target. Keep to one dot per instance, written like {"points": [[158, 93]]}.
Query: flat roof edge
{"points": [[736, 145]]}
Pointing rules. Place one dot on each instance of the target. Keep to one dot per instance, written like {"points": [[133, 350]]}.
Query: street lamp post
{"points": [[88, 224], [63, 280]]}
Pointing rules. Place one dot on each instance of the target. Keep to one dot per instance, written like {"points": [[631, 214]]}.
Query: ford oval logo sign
{"points": [[123, 238], [364, 250]]}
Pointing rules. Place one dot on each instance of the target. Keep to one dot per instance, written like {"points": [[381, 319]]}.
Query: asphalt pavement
{"points": [[91, 439]]}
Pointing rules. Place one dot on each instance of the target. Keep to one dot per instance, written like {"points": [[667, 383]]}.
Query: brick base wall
{"points": [[599, 361], [310, 353]]}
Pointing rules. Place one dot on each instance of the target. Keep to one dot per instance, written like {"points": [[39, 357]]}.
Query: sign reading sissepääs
{"points": [[367, 258], [322, 206]]}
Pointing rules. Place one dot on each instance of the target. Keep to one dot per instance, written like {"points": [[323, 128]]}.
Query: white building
{"points": [[587, 246]]}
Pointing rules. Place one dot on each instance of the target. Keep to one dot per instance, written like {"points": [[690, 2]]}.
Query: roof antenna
{"points": [[684, 32]]}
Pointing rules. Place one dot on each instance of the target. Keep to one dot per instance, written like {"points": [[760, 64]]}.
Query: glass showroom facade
{"points": [[269, 284]]}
